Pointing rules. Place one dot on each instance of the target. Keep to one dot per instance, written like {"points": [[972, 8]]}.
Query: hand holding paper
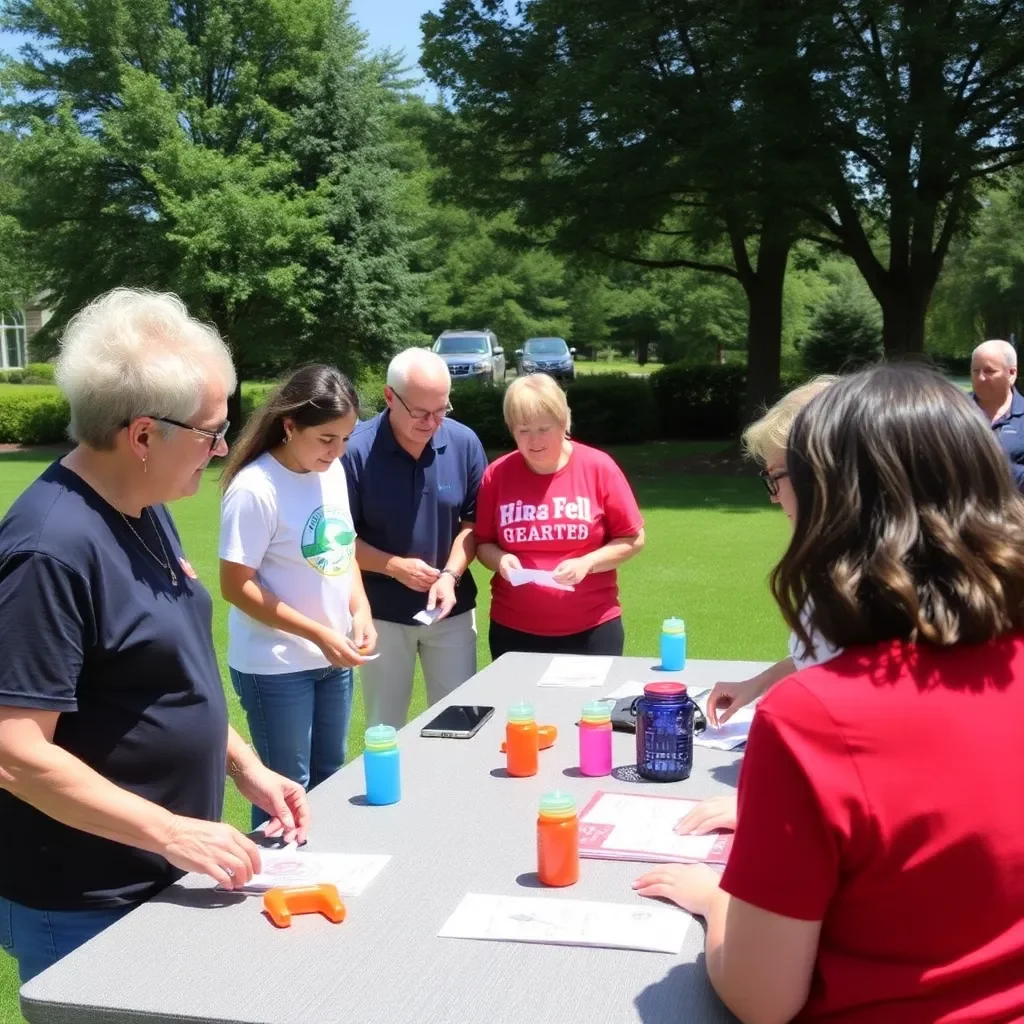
{"points": [[542, 577]]}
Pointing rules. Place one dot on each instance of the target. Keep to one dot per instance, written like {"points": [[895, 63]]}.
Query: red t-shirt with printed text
{"points": [[881, 794], [544, 519]]}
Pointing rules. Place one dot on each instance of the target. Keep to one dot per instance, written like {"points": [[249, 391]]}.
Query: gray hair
{"points": [[132, 353], [1004, 348], [411, 359]]}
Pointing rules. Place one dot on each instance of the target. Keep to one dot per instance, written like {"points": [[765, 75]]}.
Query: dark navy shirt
{"points": [[412, 507], [1009, 431], [94, 629]]}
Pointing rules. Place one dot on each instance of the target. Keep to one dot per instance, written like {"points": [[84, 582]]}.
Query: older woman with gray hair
{"points": [[114, 735]]}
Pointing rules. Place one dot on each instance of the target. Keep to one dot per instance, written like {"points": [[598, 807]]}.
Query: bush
{"points": [[479, 407], [12, 376], [34, 418], [845, 334], [698, 402], [612, 409], [955, 366], [39, 373]]}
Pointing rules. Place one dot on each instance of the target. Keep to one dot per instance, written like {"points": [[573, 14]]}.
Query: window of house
{"points": [[12, 339]]}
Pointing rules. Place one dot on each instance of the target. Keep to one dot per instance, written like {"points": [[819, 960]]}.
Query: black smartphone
{"points": [[458, 721]]}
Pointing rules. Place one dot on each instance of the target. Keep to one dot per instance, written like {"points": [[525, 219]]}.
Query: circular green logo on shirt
{"points": [[329, 540]]}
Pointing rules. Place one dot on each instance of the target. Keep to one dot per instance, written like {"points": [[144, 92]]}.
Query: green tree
{"points": [[845, 332], [232, 152], [610, 126]]}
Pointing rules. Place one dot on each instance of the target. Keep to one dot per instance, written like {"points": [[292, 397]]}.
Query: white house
{"points": [[17, 328]]}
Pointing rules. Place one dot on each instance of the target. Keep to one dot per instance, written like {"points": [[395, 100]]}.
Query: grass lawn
{"points": [[614, 366], [711, 542]]}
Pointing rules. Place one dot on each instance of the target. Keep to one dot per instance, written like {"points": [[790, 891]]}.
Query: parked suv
{"points": [[472, 355], [547, 355]]}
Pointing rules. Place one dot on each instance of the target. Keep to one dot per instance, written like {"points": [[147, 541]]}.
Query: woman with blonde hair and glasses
{"points": [[563, 507], [877, 870]]}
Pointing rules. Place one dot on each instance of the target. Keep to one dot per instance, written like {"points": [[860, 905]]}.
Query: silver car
{"points": [[472, 355]]}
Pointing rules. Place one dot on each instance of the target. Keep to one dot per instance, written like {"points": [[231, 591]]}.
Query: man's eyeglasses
{"points": [[215, 436], [423, 414], [771, 480]]}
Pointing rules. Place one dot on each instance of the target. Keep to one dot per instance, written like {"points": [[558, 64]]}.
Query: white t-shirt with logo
{"points": [[818, 653], [295, 530]]}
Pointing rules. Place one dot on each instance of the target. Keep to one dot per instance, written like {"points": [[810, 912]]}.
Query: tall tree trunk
{"points": [[764, 290], [903, 319]]}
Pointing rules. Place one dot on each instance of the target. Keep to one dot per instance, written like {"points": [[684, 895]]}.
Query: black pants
{"points": [[608, 638]]}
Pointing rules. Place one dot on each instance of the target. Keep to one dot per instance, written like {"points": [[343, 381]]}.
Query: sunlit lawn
{"points": [[711, 543]]}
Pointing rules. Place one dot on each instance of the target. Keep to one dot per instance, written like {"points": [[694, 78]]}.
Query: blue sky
{"points": [[388, 23]]}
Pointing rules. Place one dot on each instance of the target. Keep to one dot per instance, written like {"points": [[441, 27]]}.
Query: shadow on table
{"points": [[529, 880], [727, 774], [200, 899], [683, 994]]}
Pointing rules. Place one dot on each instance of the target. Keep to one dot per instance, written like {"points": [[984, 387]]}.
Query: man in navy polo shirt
{"points": [[994, 376], [413, 475]]}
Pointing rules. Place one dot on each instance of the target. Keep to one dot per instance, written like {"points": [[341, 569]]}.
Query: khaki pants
{"points": [[447, 650]]}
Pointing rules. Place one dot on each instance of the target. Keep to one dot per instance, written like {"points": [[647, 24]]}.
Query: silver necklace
{"points": [[165, 563]]}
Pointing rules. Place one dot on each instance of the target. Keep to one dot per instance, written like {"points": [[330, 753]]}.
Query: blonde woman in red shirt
{"points": [[562, 507], [877, 871]]}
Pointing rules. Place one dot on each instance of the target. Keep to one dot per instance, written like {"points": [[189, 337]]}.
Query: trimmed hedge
{"points": [[678, 401]]}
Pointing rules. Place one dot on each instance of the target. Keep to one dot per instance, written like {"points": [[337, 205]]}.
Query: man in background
{"points": [[994, 379]]}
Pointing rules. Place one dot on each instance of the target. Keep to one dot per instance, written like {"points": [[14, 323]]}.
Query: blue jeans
{"points": [[37, 939], [298, 722]]}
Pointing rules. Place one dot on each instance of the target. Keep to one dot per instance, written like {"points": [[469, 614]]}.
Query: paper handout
{"points": [[350, 872], [576, 670], [543, 578], [634, 826], [428, 616], [651, 927]]}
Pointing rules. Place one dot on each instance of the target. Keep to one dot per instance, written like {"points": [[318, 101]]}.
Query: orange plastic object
{"points": [[282, 903], [521, 747], [558, 848], [546, 736]]}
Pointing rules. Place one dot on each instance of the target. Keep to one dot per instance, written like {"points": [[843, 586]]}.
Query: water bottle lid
{"points": [[521, 712], [665, 690], [381, 737], [597, 711], [673, 625], [557, 805]]}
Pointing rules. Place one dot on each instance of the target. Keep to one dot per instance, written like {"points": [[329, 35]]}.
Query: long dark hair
{"points": [[311, 396], [908, 523]]}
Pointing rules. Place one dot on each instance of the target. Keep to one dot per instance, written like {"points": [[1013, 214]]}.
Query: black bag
{"points": [[624, 716]]}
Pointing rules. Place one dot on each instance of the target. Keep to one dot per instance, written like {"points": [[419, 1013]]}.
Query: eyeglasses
{"points": [[422, 414], [771, 480], [215, 436]]}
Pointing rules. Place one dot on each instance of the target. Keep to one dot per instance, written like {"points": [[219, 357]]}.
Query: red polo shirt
{"points": [[883, 794]]}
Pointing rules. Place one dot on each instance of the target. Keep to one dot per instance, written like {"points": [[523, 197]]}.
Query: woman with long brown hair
{"points": [[300, 619], [877, 871]]}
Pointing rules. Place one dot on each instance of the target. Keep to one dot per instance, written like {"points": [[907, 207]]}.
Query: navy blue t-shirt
{"points": [[1009, 431], [93, 628], [412, 507]]}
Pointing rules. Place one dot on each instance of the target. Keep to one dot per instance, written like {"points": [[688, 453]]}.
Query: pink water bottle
{"points": [[596, 738]]}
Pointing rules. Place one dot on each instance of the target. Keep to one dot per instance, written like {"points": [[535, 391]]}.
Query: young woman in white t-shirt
{"points": [[299, 619], [765, 440]]}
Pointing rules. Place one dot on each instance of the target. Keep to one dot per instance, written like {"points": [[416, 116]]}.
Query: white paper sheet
{"points": [[729, 736], [427, 618], [576, 670], [350, 872], [518, 577], [650, 926], [643, 827]]}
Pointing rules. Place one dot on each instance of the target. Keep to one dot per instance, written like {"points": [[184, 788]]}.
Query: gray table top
{"points": [[462, 826]]}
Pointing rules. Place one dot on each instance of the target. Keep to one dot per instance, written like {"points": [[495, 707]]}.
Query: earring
{"points": [[145, 468], [287, 438]]}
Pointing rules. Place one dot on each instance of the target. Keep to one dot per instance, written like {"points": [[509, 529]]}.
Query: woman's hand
{"points": [[364, 633], [507, 563], [708, 816], [338, 650], [284, 800], [212, 848], [572, 570], [726, 699], [691, 886]]}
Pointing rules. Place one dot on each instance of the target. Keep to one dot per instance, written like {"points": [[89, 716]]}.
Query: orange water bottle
{"points": [[558, 840], [522, 743]]}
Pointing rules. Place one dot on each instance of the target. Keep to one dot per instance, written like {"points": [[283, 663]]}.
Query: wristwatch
{"points": [[454, 575]]}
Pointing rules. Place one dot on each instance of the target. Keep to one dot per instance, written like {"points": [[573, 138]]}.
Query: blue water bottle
{"points": [[380, 763], [664, 732], [673, 645]]}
